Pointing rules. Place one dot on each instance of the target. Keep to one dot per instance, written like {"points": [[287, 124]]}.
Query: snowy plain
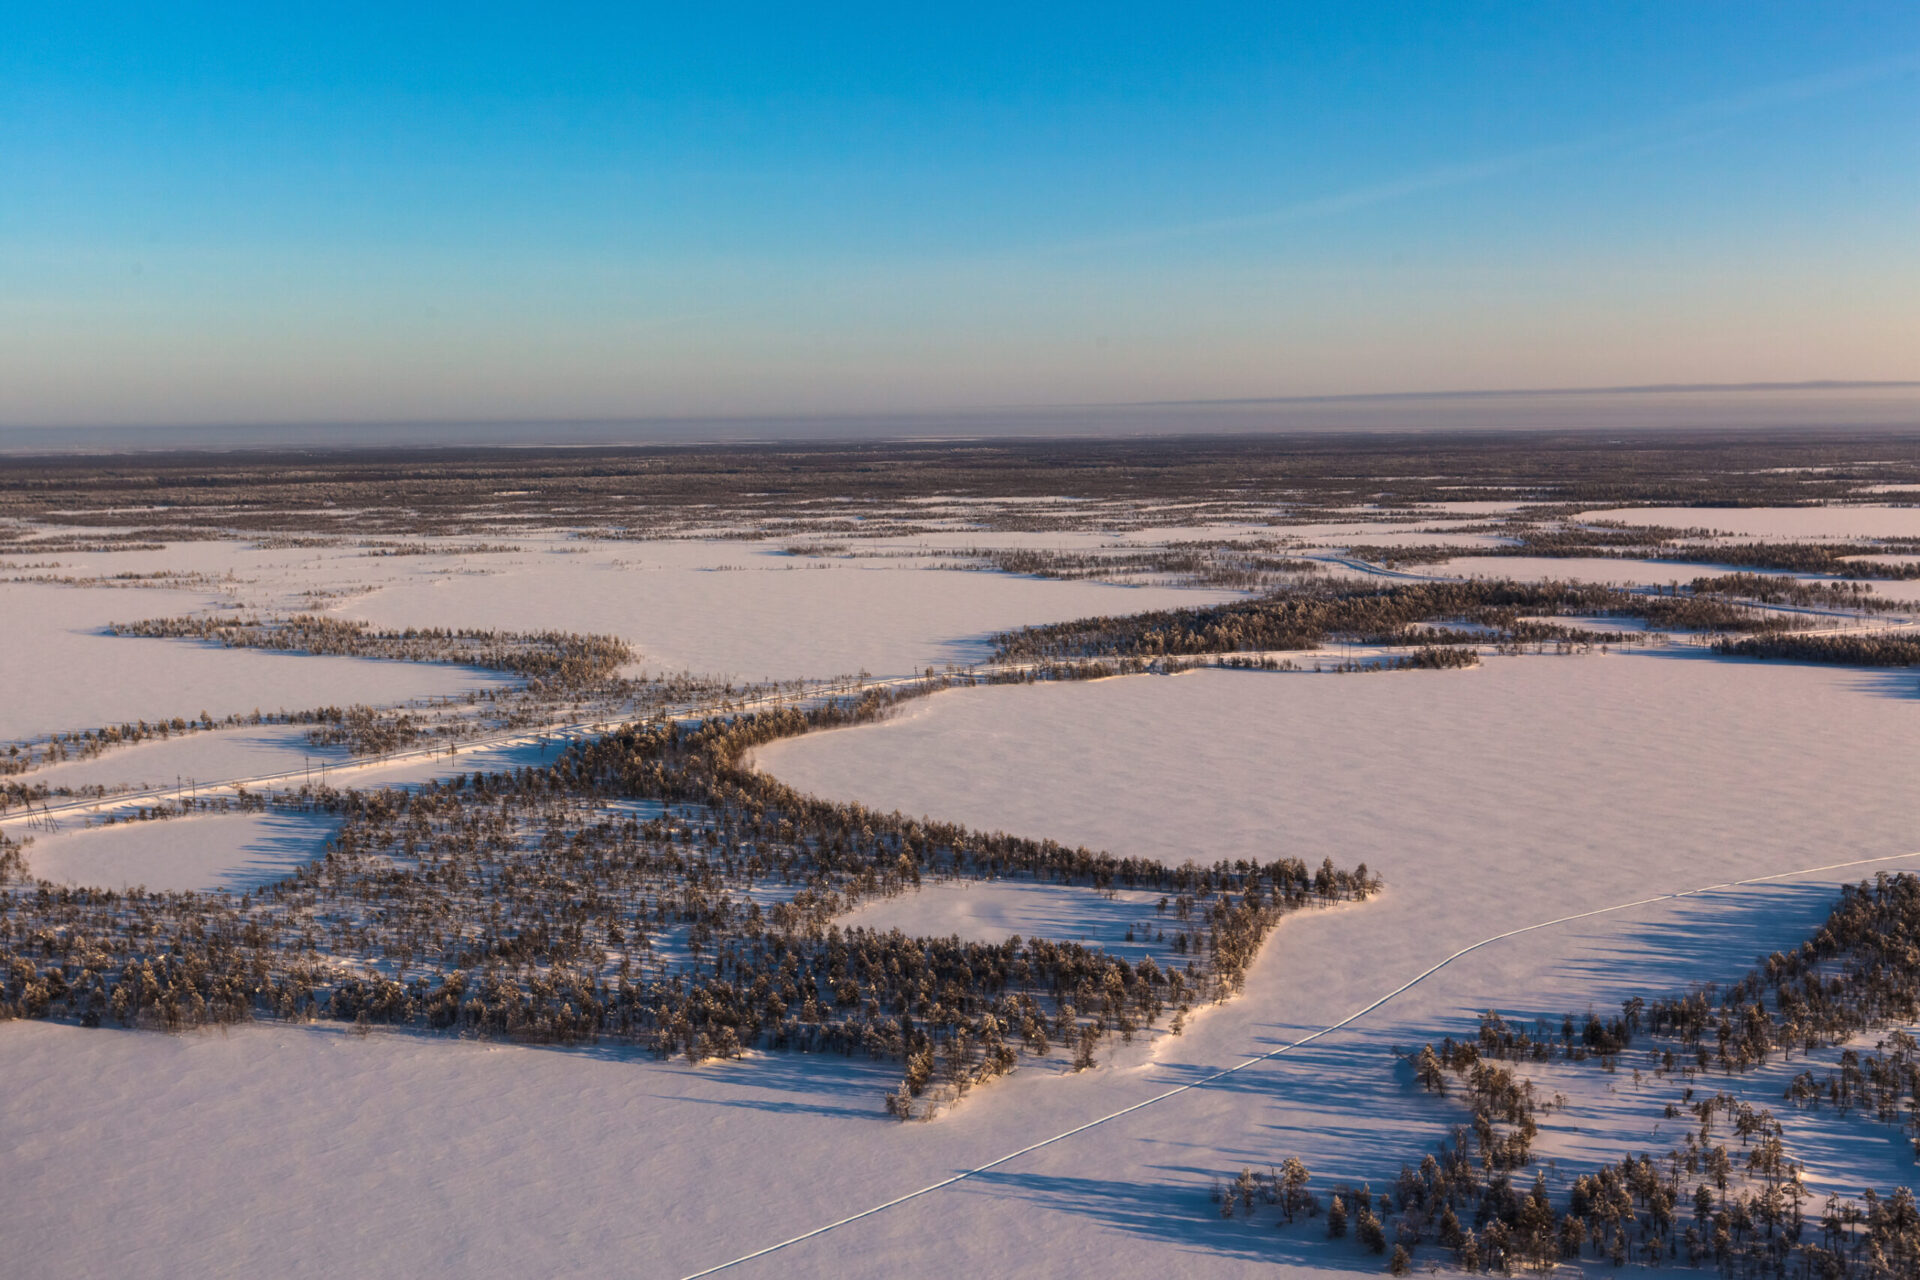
{"points": [[745, 610], [213, 851], [453, 1158], [1865, 521], [1525, 790], [755, 613], [63, 673]]}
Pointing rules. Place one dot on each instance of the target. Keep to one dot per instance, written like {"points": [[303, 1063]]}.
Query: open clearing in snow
{"points": [[212, 851], [64, 673], [755, 613]]}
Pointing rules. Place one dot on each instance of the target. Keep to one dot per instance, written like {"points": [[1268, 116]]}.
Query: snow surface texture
{"points": [[213, 851], [729, 608], [1791, 523], [755, 613], [62, 672], [1525, 790], [993, 912], [1516, 793], [1625, 573]]}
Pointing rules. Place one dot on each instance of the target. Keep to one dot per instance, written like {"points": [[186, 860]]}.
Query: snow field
{"points": [[1524, 790], [752, 612], [203, 851], [61, 672], [1455, 786], [1788, 523], [992, 911]]}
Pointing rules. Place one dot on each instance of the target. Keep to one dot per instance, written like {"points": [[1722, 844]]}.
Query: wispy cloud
{"points": [[1691, 122]]}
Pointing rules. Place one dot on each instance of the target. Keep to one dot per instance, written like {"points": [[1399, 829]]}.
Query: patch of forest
{"points": [[1309, 615], [1228, 564], [382, 548], [647, 887], [1885, 650], [1729, 1194], [1855, 558], [1524, 536], [1773, 589], [556, 659]]}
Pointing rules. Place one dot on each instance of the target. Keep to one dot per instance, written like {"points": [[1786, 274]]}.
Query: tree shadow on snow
{"points": [[780, 1083], [1881, 682], [1177, 1214], [288, 841], [1713, 937]]}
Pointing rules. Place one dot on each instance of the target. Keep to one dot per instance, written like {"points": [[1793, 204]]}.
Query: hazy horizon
{"points": [[1891, 406]]}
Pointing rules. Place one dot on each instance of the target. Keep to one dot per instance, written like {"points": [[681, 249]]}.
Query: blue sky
{"points": [[265, 213]]}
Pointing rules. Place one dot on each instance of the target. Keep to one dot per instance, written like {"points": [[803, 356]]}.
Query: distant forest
{"points": [[814, 490]]}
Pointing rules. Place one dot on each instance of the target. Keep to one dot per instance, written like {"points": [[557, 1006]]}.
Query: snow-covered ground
{"points": [[249, 751], [750, 611], [1878, 521], [724, 607], [205, 851], [1626, 573], [1902, 589], [242, 751], [1527, 789], [1124, 922], [61, 672], [1272, 763]]}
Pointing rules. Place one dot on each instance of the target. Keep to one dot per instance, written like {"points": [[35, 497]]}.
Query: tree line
{"points": [[561, 659], [1885, 650], [1308, 615]]}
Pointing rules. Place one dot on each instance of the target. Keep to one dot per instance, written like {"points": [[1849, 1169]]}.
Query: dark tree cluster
{"points": [[96, 544], [1531, 536], [86, 744], [1528, 534], [1744, 1211], [1841, 560], [1775, 589], [561, 659], [1884, 650], [369, 731], [382, 548], [1229, 564], [1307, 616], [1451, 655], [1883, 1083]]}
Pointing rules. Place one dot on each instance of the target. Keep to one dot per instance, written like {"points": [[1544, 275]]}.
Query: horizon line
{"points": [[986, 411]]}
